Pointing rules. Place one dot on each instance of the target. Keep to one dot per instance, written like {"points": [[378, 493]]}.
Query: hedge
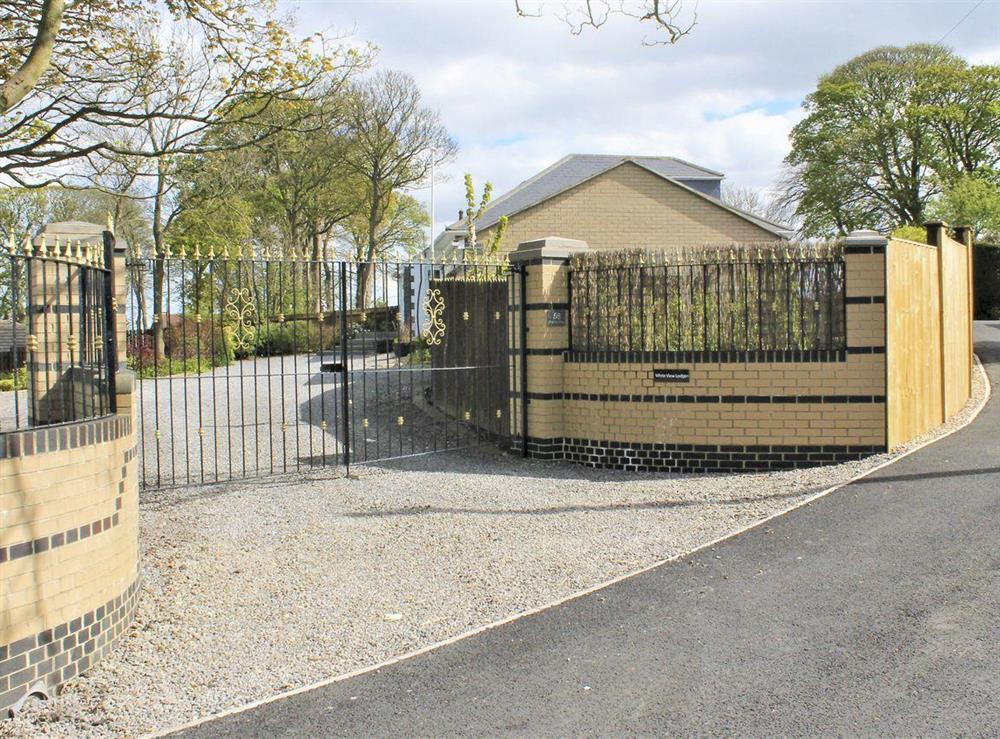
{"points": [[986, 281]]}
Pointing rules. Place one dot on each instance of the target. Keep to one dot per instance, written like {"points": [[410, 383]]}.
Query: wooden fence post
{"points": [[967, 235]]}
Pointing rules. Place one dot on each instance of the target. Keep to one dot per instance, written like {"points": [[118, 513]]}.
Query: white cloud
{"points": [[519, 93]]}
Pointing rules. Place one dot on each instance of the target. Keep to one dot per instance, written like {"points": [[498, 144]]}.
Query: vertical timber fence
{"points": [[252, 363], [929, 307]]}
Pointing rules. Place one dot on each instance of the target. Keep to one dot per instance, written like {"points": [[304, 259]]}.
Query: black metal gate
{"points": [[253, 365]]}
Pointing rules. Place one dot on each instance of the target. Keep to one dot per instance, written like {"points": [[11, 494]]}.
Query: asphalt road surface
{"points": [[874, 610]]}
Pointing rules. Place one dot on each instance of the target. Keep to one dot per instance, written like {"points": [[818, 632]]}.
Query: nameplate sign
{"points": [[665, 374], [555, 317]]}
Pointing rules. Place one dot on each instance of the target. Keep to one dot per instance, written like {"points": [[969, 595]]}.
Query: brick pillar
{"points": [[542, 267], [865, 307]]}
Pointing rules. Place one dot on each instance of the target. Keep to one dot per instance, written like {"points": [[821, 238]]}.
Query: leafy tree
{"points": [[76, 82], [971, 201], [396, 141], [885, 133], [400, 235], [474, 212]]}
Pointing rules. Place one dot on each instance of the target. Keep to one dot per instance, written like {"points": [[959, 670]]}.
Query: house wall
{"points": [[629, 207]]}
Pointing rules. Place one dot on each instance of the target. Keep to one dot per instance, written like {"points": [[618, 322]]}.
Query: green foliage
{"points": [[400, 235], [275, 339], [973, 201], [167, 367], [986, 280], [911, 233], [474, 212], [16, 380], [886, 133], [420, 352]]}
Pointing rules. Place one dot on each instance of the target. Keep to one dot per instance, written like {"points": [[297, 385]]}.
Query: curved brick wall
{"points": [[68, 549], [730, 411]]}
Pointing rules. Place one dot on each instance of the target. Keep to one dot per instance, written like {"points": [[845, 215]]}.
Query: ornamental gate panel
{"points": [[263, 364]]}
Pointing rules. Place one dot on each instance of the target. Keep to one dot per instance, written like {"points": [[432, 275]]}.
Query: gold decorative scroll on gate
{"points": [[434, 305]]}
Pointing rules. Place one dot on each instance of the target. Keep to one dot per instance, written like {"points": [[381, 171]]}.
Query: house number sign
{"points": [[664, 374], [555, 317]]}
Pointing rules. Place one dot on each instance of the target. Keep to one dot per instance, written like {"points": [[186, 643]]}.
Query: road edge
{"points": [[588, 591]]}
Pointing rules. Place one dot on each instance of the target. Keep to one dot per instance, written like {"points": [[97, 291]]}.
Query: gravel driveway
{"points": [[252, 589]]}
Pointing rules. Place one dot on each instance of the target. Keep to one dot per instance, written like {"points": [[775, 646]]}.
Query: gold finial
{"points": [[45, 247], [111, 222], [166, 251], [11, 245], [197, 251]]}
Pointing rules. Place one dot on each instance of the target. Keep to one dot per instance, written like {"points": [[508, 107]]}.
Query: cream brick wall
{"points": [[626, 207], [51, 493], [852, 413]]}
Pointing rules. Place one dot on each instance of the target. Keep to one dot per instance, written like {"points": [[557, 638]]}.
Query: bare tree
{"points": [[666, 16], [396, 142], [773, 208]]}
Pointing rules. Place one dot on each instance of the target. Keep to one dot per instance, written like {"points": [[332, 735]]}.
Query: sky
{"points": [[517, 94]]}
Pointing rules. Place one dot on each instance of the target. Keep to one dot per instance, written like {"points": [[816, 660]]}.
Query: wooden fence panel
{"points": [[957, 357], [928, 337], [913, 340], [470, 377]]}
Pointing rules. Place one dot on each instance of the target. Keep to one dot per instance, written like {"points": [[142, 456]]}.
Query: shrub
{"points": [[186, 338], [274, 339], [986, 281], [16, 380]]}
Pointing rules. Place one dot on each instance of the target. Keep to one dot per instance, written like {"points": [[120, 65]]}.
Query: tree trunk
{"points": [[13, 90], [159, 269]]}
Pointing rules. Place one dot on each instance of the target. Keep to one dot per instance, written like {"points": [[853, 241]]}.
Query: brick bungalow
{"points": [[616, 202]]}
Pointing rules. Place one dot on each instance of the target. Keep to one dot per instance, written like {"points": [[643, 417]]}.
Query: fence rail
{"points": [[737, 299], [57, 358]]}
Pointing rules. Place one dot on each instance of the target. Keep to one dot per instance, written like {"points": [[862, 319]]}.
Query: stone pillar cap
{"points": [[865, 238], [72, 230], [551, 247]]}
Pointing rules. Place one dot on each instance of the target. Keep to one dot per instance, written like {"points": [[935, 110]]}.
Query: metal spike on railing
{"points": [[197, 251], [44, 249], [27, 246], [211, 251], [11, 245], [166, 251]]}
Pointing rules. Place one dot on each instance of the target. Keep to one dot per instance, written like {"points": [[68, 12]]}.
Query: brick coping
{"points": [[14, 444]]}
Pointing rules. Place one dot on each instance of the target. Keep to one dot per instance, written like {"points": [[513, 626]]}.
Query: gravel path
{"points": [[257, 588]]}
